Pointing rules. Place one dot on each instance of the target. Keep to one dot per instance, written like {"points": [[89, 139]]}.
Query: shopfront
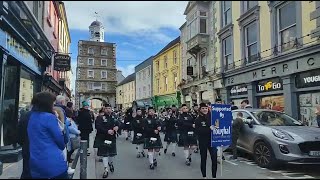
{"points": [[308, 92], [238, 94], [270, 94]]}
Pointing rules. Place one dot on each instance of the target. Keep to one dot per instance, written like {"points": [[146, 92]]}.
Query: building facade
{"points": [[277, 66], [201, 78], [126, 92], [144, 82], [25, 52], [167, 75], [96, 68]]}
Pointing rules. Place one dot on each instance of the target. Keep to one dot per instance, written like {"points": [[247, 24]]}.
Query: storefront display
{"points": [[272, 102]]}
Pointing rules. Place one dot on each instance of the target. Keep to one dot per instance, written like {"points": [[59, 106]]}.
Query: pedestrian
{"points": [[317, 112], [237, 126], [245, 104], [171, 136], [105, 140], [203, 130], [233, 107], [138, 137], [85, 123], [188, 139], [194, 114], [152, 140], [40, 136], [127, 123]]}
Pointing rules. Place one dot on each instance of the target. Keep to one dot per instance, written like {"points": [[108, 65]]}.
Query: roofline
{"points": [[126, 78], [170, 47], [145, 60], [184, 24]]}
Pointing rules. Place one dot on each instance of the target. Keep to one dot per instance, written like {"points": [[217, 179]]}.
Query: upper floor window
{"points": [[165, 62], [227, 52], [287, 27], [103, 86], [175, 57], [226, 12], [192, 28], [175, 79], [90, 61], [203, 60], [149, 71], [247, 5], [103, 62], [90, 74], [203, 25], [97, 34], [23, 84], [104, 52], [103, 74], [158, 85], [90, 50], [251, 41], [189, 62], [90, 86], [157, 65]]}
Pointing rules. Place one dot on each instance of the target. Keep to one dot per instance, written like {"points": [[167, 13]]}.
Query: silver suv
{"points": [[273, 137]]}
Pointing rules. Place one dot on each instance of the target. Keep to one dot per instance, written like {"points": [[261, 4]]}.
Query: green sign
{"points": [[166, 101]]}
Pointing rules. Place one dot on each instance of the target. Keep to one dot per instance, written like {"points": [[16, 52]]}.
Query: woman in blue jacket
{"points": [[42, 141]]}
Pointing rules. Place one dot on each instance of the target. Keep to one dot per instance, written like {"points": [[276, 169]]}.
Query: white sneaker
{"points": [[71, 171]]}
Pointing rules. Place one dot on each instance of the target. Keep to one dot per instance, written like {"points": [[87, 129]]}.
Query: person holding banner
{"points": [[203, 130], [152, 140], [187, 138]]}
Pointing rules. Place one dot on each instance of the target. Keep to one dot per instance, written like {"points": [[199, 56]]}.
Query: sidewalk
{"points": [[12, 170]]}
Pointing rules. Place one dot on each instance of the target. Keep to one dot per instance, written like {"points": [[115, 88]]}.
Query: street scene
{"points": [[159, 90]]}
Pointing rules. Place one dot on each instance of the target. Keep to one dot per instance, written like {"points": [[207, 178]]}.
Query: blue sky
{"points": [[140, 29]]}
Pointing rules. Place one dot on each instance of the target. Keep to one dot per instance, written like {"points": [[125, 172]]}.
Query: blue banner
{"points": [[221, 120]]}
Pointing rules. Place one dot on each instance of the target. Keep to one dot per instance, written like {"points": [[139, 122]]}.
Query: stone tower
{"points": [[96, 31]]}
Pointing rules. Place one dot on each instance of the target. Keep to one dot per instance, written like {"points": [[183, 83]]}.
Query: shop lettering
{"points": [[284, 68], [312, 79], [269, 86], [234, 91]]}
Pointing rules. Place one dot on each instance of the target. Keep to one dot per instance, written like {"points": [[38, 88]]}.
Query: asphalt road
{"points": [[128, 166]]}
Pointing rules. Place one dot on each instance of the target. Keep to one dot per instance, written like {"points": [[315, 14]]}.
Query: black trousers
{"points": [[234, 145], [69, 153], [85, 136], [204, 147]]}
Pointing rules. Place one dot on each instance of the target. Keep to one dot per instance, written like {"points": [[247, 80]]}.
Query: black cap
{"points": [[107, 105], [168, 108], [195, 104], [173, 105], [150, 108], [218, 99], [138, 109], [183, 105], [203, 105]]}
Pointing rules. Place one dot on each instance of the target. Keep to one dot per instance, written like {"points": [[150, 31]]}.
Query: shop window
{"points": [[272, 102], [308, 103]]}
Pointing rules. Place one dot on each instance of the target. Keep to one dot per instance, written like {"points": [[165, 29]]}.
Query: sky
{"points": [[139, 28]]}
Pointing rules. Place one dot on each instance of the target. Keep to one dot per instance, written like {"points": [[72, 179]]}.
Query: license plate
{"points": [[314, 153]]}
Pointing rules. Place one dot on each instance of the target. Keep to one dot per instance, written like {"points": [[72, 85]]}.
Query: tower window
{"points": [[97, 34]]}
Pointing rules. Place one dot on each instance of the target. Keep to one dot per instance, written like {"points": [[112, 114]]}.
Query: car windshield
{"points": [[270, 118]]}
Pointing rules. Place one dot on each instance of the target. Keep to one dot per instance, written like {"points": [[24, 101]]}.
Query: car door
{"points": [[248, 133]]}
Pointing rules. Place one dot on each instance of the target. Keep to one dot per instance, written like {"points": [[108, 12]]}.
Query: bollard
{"points": [[83, 159], [74, 163]]}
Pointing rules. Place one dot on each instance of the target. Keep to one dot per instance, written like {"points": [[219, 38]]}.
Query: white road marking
{"points": [[301, 177], [279, 171], [270, 178], [231, 162], [286, 174]]}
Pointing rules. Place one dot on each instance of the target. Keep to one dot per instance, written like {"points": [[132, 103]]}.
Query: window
{"points": [[23, 97], [157, 65], [149, 90], [104, 52], [227, 53], [226, 10], [149, 72], [90, 86], [251, 41], [192, 29], [175, 81], [90, 50], [23, 84], [247, 5], [189, 62], [97, 34], [166, 83], [103, 62], [103, 74], [287, 29], [203, 25], [203, 60], [175, 57], [90, 61], [90, 74], [165, 62], [103, 86], [158, 85]]}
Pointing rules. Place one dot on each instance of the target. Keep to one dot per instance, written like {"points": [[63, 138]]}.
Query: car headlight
{"points": [[281, 135]]}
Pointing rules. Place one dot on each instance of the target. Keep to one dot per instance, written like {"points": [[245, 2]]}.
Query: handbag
{"points": [[75, 142]]}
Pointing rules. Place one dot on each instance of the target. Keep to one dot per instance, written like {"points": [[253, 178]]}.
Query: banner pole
{"points": [[221, 160]]}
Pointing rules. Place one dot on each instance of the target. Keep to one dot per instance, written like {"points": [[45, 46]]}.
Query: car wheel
{"points": [[263, 155]]}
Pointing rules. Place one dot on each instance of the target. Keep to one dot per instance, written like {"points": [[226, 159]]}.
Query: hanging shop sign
{"points": [[62, 62], [269, 85], [189, 70]]}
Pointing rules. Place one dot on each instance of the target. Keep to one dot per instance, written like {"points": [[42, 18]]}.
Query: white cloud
{"points": [[132, 18], [136, 46], [129, 69]]}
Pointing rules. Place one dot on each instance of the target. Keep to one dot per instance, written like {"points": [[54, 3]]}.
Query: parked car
{"points": [[274, 137]]}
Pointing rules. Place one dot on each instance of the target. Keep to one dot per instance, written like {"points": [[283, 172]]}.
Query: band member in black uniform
{"points": [[127, 123], [171, 132], [152, 142], [187, 137], [138, 138], [107, 128], [194, 114], [203, 130]]}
